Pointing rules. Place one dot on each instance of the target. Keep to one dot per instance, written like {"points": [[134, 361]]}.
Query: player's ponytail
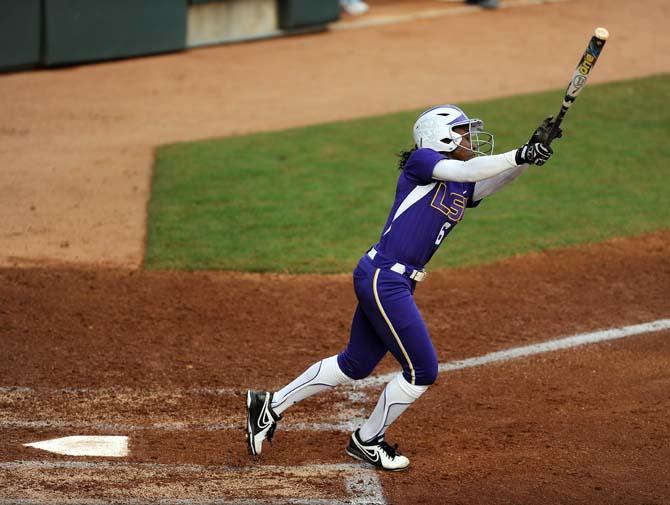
{"points": [[404, 156]]}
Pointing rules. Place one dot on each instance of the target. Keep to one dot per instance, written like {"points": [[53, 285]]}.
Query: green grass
{"points": [[314, 199]]}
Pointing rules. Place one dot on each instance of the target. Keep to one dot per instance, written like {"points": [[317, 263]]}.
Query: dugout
{"points": [[20, 33], [60, 32], [92, 30]]}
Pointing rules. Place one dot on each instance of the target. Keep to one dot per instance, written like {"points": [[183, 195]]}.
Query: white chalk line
{"points": [[189, 501], [344, 426], [361, 482], [350, 424], [391, 19], [540, 348], [194, 501], [122, 389]]}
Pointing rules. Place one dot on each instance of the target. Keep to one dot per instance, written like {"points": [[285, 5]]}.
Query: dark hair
{"points": [[404, 156]]}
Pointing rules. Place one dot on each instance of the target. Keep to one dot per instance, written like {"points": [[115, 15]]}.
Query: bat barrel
{"points": [[580, 76]]}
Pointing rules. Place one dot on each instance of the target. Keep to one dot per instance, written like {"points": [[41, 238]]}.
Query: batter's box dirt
{"points": [[131, 410], [41, 482]]}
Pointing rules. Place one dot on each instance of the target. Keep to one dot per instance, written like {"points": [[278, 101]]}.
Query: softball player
{"points": [[443, 175]]}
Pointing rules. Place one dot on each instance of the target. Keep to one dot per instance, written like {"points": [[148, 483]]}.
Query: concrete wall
{"points": [[231, 20]]}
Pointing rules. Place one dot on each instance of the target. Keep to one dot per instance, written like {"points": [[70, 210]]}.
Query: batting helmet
{"points": [[434, 129]]}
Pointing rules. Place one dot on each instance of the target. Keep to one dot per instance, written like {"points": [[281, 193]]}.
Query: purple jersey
{"points": [[424, 211]]}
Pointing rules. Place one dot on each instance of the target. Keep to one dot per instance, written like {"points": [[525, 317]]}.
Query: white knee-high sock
{"points": [[397, 396], [323, 375]]}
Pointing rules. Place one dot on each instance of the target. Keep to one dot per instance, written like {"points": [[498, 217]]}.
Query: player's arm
{"points": [[485, 167], [492, 185], [474, 170]]}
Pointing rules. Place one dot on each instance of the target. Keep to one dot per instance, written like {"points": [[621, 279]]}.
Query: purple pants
{"points": [[387, 319]]}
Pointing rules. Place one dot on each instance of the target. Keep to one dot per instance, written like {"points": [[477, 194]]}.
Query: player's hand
{"points": [[533, 153], [545, 133]]}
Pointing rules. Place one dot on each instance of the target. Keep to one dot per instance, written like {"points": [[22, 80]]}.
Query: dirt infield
{"points": [[165, 358], [76, 144]]}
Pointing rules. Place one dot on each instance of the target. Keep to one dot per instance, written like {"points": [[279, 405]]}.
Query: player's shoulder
{"points": [[419, 166], [422, 159], [425, 154]]}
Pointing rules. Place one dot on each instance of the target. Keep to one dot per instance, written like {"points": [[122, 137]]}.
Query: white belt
{"points": [[399, 268]]}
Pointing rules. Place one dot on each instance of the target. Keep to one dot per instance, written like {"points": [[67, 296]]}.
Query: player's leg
{"points": [[368, 443], [397, 320], [364, 350], [265, 408], [362, 354], [391, 309]]}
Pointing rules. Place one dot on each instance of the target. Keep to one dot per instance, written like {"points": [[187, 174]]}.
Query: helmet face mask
{"points": [[434, 129], [482, 142]]}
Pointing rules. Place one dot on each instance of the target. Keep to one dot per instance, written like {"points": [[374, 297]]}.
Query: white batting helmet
{"points": [[434, 129]]}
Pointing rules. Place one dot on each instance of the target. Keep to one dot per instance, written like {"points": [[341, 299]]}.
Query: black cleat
{"points": [[377, 453], [261, 420]]}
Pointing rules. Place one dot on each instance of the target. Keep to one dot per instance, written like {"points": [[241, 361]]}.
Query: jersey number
{"points": [[443, 232]]}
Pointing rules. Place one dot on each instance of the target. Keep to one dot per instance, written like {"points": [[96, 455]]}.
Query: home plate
{"points": [[80, 445]]}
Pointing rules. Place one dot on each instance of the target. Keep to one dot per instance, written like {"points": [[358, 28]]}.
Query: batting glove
{"points": [[533, 153], [545, 133]]}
